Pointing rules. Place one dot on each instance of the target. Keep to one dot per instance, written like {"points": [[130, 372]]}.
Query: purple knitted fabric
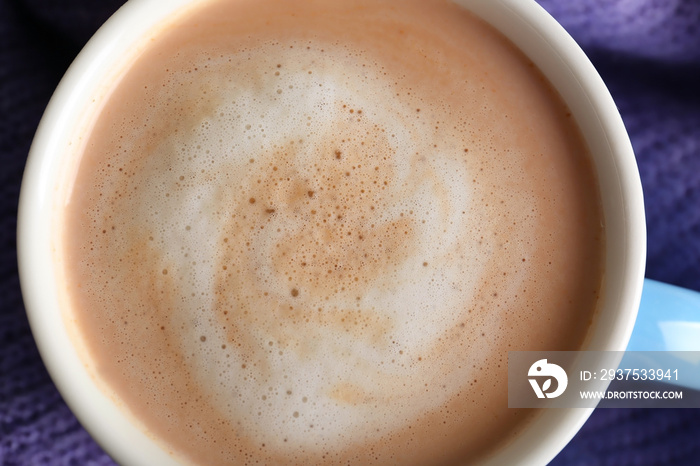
{"points": [[665, 31], [648, 52]]}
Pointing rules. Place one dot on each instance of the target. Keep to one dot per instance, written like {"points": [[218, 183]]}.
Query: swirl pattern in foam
{"points": [[312, 238], [302, 217]]}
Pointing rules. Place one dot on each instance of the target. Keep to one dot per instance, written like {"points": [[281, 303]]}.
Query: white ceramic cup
{"points": [[80, 94]]}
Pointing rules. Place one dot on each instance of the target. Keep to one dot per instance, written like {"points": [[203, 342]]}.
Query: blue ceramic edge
{"points": [[668, 324]]}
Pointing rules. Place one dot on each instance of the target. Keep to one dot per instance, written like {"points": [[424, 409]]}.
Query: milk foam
{"points": [[257, 209], [288, 244]]}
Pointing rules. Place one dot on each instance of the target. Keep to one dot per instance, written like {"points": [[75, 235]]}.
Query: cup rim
{"points": [[34, 244]]}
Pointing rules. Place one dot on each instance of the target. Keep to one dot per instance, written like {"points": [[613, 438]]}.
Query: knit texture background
{"points": [[648, 52]]}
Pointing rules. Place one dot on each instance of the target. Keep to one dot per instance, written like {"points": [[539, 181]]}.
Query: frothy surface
{"points": [[310, 232]]}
